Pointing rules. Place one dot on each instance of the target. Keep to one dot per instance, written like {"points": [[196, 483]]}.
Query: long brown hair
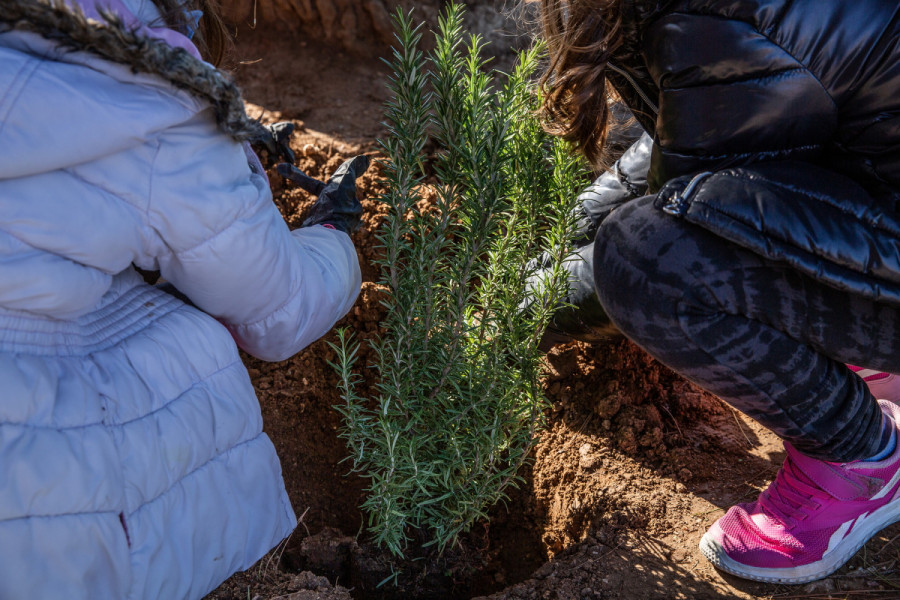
{"points": [[581, 36], [212, 38]]}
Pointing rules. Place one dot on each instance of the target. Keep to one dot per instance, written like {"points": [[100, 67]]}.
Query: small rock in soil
{"points": [[309, 581], [824, 586], [679, 555], [326, 552], [588, 459], [544, 571]]}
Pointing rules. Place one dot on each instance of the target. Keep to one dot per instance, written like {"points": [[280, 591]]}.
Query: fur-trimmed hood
{"points": [[111, 39]]}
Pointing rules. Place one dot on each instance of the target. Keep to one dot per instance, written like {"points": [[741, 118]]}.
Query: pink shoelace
{"points": [[792, 497]]}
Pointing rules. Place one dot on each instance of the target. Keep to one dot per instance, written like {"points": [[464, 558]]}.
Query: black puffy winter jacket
{"points": [[776, 124], [729, 83]]}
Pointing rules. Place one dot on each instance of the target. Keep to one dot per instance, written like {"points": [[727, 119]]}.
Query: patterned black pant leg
{"points": [[764, 338]]}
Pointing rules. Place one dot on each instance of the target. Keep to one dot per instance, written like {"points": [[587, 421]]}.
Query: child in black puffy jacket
{"points": [[753, 245]]}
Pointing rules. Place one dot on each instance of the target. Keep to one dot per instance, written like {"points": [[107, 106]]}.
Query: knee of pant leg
{"points": [[640, 270]]}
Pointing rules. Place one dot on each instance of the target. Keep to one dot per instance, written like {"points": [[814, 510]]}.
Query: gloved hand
{"points": [[583, 318], [337, 205], [273, 145], [624, 181]]}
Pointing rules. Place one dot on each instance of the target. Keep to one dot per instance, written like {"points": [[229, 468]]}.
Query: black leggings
{"points": [[758, 334]]}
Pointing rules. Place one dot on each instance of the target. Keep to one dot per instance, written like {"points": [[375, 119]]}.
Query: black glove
{"points": [[581, 317], [337, 205], [626, 180], [584, 318], [273, 144]]}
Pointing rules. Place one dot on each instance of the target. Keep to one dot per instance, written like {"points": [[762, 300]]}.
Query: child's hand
{"points": [[337, 205]]}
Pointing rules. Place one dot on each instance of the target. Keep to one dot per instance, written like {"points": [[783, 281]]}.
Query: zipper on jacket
{"points": [[634, 84], [677, 204]]}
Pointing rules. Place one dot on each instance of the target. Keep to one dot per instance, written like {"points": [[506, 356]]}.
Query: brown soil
{"points": [[635, 465]]}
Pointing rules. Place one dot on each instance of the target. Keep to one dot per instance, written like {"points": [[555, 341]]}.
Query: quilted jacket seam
{"points": [[770, 75], [106, 342], [193, 472], [768, 36], [72, 173], [788, 5], [246, 210], [873, 171], [824, 198], [149, 500], [85, 513], [740, 155], [769, 236], [29, 68], [203, 379], [877, 43]]}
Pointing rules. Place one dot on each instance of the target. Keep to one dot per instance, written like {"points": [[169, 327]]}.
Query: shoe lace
{"points": [[792, 496]]}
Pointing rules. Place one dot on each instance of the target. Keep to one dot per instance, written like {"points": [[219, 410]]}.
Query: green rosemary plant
{"points": [[458, 400]]}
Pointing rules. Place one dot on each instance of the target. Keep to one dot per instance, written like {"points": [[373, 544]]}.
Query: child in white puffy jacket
{"points": [[132, 459]]}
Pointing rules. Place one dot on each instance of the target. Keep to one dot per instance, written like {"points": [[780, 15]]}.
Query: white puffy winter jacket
{"points": [[132, 459]]}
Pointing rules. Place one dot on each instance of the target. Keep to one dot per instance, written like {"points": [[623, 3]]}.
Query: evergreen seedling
{"points": [[457, 401]]}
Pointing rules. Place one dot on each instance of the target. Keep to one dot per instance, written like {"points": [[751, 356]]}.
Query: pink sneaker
{"points": [[882, 385], [811, 520]]}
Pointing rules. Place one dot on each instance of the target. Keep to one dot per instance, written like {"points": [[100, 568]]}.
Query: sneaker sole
{"points": [[856, 539]]}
